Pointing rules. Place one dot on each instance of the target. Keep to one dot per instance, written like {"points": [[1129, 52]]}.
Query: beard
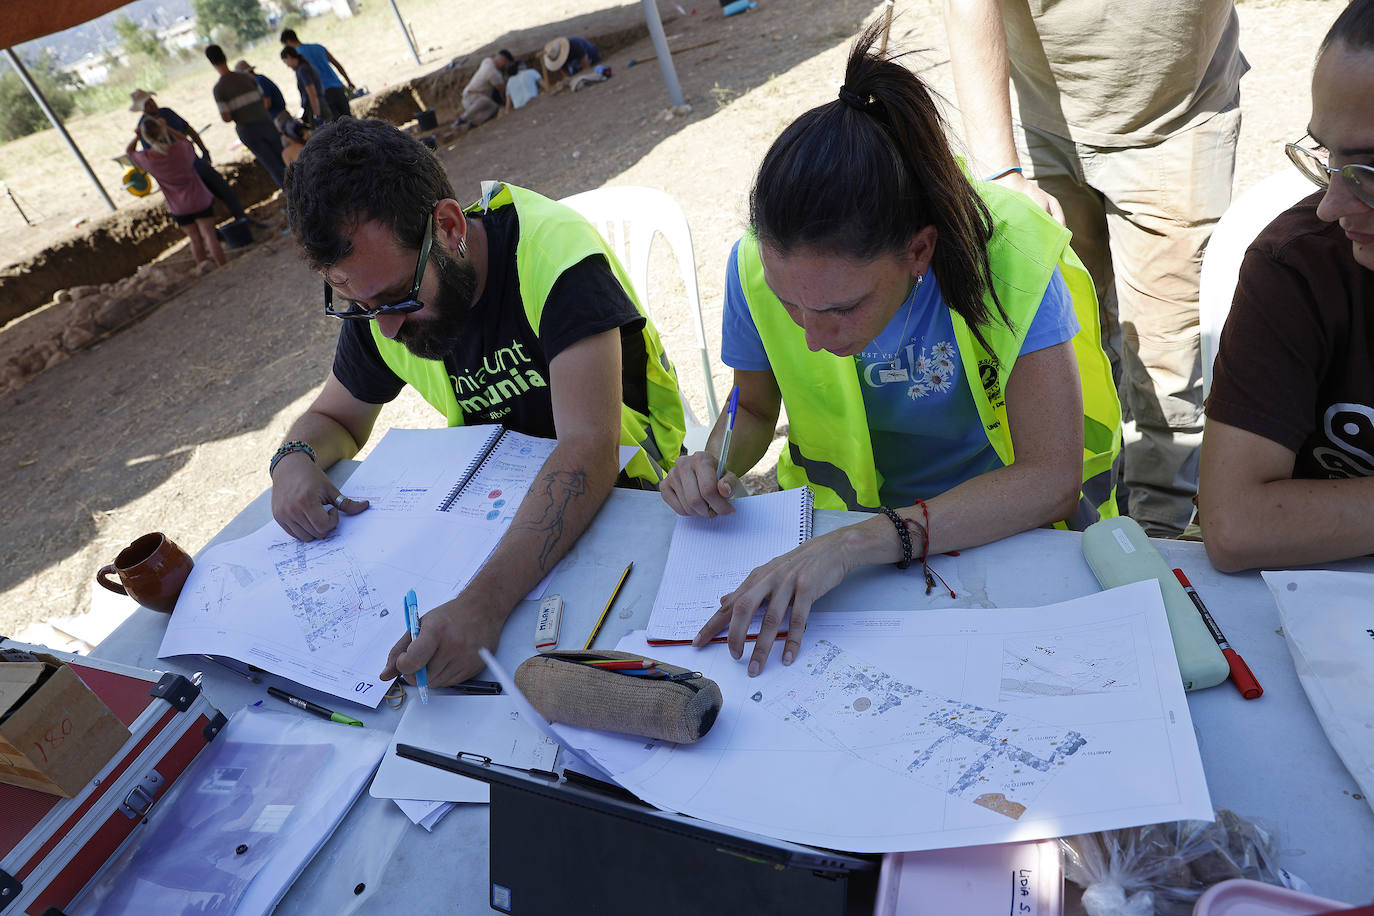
{"points": [[434, 338]]}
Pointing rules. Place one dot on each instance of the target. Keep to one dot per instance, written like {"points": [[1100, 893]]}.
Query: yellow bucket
{"points": [[137, 182]]}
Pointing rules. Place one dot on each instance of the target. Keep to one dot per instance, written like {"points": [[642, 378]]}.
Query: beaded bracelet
{"points": [[1005, 172], [905, 535], [295, 445]]}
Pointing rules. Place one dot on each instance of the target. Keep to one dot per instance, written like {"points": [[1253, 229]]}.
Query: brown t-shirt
{"points": [[239, 96], [1122, 72], [1294, 363]]}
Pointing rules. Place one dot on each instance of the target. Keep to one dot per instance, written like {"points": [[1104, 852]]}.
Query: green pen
{"points": [[314, 708]]}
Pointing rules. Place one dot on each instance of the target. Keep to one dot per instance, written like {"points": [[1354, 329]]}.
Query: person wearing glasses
{"points": [[511, 311], [1288, 457]]}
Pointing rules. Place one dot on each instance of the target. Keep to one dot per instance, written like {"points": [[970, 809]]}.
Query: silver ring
{"points": [[339, 501]]}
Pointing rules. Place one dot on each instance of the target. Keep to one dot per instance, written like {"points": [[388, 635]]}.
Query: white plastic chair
{"points": [[628, 218], [1237, 228]]}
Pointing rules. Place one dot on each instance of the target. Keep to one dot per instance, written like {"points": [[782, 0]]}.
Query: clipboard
{"points": [[570, 844]]}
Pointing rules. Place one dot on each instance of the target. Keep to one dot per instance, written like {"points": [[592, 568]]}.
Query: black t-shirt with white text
{"points": [[499, 367]]}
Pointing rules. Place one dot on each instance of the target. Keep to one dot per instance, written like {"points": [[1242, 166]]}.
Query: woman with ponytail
{"points": [[935, 342]]}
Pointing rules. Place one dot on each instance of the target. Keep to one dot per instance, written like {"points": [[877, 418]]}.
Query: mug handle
{"points": [[115, 587]]}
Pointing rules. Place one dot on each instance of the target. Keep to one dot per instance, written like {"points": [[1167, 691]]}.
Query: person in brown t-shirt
{"points": [[1287, 472]]}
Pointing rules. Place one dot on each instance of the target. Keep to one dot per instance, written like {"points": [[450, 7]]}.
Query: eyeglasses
{"points": [[403, 307], [1359, 179]]}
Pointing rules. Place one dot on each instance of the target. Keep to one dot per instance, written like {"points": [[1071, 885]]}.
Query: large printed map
{"points": [[988, 757]]}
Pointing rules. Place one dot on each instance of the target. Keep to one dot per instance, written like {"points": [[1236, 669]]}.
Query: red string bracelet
{"points": [[926, 569]]}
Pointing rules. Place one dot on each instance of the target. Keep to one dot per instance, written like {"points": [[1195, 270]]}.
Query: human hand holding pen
{"points": [[699, 484], [447, 645]]}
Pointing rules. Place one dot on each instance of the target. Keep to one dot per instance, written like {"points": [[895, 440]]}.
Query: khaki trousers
{"points": [[1141, 218]]}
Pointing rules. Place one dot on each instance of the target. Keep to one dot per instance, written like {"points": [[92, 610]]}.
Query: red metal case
{"points": [[50, 847]]}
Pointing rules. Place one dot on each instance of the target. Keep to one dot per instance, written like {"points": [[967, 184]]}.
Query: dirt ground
{"points": [[168, 425]]}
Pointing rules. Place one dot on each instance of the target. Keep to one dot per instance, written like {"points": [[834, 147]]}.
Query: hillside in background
{"points": [[99, 34]]}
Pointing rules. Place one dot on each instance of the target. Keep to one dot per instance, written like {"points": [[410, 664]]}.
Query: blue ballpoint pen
{"points": [[413, 623], [730, 409]]}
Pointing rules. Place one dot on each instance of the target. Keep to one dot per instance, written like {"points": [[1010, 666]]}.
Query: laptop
{"points": [[570, 844]]}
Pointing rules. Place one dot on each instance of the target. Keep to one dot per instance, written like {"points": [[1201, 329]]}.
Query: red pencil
{"points": [[619, 663], [1245, 682]]}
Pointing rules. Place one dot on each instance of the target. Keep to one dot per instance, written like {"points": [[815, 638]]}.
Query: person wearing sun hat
{"points": [[570, 54], [276, 102], [142, 101]]}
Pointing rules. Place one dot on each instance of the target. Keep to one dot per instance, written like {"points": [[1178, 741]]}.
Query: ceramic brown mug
{"points": [[151, 571]]}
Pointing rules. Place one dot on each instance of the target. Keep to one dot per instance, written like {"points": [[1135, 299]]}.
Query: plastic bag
{"points": [[1161, 869]]}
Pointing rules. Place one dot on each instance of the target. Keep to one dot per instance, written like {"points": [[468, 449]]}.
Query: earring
{"points": [[463, 247]]}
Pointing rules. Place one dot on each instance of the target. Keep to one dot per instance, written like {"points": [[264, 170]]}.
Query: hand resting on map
{"points": [[304, 500]]}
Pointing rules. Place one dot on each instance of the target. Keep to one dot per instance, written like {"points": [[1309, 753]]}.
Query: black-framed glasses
{"points": [[405, 306], [1359, 179]]}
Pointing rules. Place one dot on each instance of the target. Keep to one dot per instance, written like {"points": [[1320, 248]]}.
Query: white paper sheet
{"points": [[530, 715], [1328, 620], [424, 813], [322, 613], [944, 728], [325, 614], [489, 726]]}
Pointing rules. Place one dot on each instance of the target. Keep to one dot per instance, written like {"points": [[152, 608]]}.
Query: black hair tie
{"points": [[856, 101]]}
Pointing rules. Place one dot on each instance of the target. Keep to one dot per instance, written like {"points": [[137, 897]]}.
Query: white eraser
{"points": [[546, 625]]}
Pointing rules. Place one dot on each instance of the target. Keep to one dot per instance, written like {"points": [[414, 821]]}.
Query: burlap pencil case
{"points": [[677, 705]]}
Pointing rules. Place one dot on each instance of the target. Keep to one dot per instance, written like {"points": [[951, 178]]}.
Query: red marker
{"points": [[1240, 672]]}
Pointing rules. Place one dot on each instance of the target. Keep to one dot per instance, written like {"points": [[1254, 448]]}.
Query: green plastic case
{"points": [[1119, 553]]}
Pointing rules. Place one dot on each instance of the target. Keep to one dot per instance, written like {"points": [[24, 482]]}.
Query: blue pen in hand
{"points": [[730, 408], [413, 624]]}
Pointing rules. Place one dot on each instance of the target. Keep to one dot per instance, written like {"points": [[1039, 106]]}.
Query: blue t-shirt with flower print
{"points": [[927, 437]]}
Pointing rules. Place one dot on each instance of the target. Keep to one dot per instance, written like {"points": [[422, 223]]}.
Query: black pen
{"points": [[478, 687], [314, 708]]}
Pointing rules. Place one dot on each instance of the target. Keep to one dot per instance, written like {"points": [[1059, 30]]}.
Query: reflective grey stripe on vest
{"points": [[650, 446], [1097, 491], [828, 475]]}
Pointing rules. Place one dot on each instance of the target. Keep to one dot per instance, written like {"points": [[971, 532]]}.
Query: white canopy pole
{"points": [[405, 31], [665, 58], [56, 122]]}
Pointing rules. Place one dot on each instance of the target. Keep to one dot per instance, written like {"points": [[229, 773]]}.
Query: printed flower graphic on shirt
{"points": [[933, 372]]}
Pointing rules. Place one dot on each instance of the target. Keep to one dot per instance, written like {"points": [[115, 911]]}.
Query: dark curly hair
{"points": [[354, 170], [861, 177]]}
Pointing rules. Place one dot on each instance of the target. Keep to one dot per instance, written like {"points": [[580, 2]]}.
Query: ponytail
{"points": [[862, 174]]}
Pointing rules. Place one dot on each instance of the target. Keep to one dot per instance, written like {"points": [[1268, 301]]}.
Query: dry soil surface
{"points": [[168, 426]]}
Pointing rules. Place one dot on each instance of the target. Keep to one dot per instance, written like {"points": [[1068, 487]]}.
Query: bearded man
{"points": [[512, 310]]}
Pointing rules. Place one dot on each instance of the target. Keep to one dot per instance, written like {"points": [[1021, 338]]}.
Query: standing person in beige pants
{"points": [[1129, 116]]}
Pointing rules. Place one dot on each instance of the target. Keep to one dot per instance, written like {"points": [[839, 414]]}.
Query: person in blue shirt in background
{"points": [[571, 55], [314, 109], [276, 103], [325, 64], [143, 102]]}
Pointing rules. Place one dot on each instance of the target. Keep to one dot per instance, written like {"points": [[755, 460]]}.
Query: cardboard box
{"points": [[55, 733]]}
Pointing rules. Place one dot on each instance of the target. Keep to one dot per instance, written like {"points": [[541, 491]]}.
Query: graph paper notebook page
{"points": [[710, 557]]}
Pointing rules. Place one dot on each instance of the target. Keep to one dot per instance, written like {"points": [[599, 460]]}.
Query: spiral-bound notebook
{"points": [[478, 472], [711, 557]]}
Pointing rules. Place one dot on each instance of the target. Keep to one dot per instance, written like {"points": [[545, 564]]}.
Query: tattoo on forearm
{"points": [[558, 488]]}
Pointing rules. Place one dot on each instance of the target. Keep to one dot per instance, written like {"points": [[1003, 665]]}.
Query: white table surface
{"points": [[1266, 759]]}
